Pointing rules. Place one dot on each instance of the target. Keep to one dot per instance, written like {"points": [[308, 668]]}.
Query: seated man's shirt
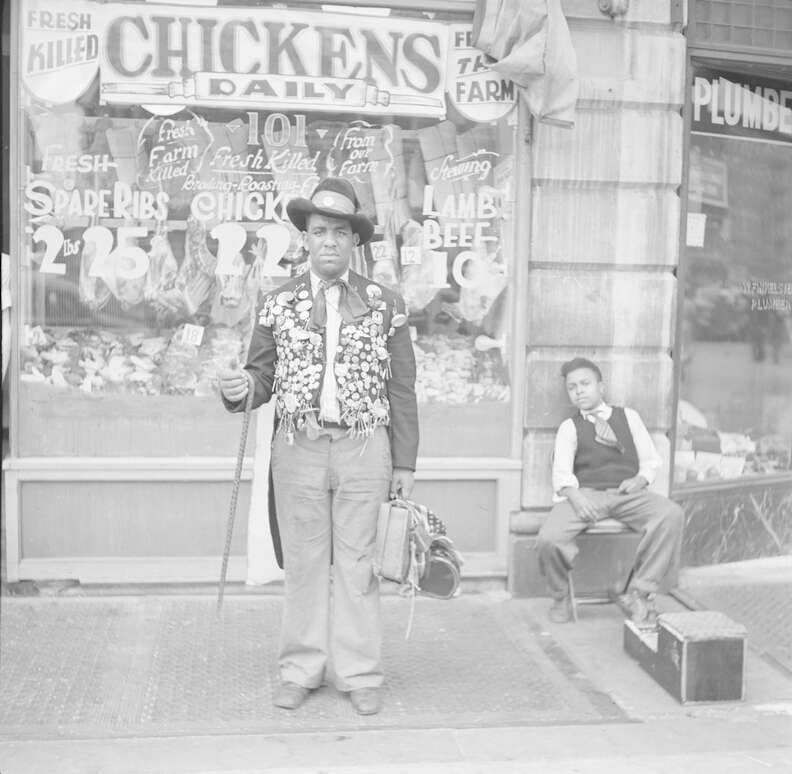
{"points": [[566, 448]]}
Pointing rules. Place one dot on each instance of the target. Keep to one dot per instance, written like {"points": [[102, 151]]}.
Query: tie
{"points": [[603, 433], [350, 304]]}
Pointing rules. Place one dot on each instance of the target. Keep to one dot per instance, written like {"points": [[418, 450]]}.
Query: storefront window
{"points": [[735, 409], [158, 159]]}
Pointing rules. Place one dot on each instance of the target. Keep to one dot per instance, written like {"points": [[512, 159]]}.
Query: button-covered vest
{"points": [[362, 362], [602, 467]]}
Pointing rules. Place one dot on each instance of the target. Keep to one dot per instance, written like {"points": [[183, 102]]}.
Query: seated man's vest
{"points": [[603, 467]]}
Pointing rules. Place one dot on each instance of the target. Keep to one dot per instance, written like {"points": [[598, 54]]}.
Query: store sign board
{"points": [[234, 58], [476, 91], [60, 49], [738, 105]]}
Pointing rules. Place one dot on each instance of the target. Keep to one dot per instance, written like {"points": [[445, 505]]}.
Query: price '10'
{"points": [[126, 260]]}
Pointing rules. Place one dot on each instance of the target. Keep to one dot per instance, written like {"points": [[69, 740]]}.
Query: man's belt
{"points": [[323, 423]]}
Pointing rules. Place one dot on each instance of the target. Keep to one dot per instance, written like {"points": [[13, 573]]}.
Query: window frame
{"points": [[764, 62]]}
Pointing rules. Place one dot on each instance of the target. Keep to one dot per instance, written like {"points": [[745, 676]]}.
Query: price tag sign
{"points": [[411, 255], [696, 229], [382, 251], [192, 334]]}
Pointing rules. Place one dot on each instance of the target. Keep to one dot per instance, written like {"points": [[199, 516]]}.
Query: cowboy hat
{"points": [[335, 198]]}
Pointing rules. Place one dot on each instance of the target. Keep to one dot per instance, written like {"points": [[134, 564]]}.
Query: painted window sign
{"points": [[477, 92], [162, 149], [260, 58], [739, 105], [287, 59]]}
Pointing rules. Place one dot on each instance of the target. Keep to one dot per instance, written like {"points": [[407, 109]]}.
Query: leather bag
{"points": [[414, 550], [402, 540], [392, 553], [442, 574]]}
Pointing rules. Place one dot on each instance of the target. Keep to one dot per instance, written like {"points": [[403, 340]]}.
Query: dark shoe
{"points": [[560, 611], [366, 701], [290, 696], [639, 606]]}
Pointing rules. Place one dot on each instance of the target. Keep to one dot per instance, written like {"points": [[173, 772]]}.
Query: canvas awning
{"points": [[528, 41]]}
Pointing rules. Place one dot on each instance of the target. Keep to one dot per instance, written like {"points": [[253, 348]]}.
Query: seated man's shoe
{"points": [[560, 611], [639, 607], [290, 696], [366, 701]]}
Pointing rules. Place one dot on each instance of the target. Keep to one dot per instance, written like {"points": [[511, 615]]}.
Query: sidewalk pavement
{"points": [[756, 593], [159, 683]]}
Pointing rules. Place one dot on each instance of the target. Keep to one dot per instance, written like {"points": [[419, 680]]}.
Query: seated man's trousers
{"points": [[658, 519]]}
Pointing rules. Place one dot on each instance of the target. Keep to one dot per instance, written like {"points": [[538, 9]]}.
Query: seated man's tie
{"points": [[603, 432]]}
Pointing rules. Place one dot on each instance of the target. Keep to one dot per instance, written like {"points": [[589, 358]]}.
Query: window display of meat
{"points": [[130, 363], [389, 179], [485, 281], [195, 279], [221, 345], [177, 193], [180, 366], [450, 370], [94, 290], [163, 268], [128, 155], [417, 276], [231, 303], [123, 278]]}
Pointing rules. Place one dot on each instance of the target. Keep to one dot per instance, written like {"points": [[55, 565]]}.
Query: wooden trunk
{"points": [[696, 656]]}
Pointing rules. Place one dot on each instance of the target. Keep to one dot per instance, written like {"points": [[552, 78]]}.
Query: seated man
{"points": [[604, 460]]}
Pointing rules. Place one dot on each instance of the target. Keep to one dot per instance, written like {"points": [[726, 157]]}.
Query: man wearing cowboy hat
{"points": [[333, 349]]}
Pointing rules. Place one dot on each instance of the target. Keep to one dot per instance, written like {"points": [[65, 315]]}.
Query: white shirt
{"points": [[328, 397], [566, 446]]}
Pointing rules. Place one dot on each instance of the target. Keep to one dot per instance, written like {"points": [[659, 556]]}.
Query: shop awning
{"points": [[528, 41]]}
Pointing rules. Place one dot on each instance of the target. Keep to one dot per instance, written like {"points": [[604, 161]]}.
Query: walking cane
{"points": [[234, 496]]}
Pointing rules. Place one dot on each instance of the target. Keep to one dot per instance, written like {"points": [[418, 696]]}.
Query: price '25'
{"points": [[130, 262], [127, 261]]}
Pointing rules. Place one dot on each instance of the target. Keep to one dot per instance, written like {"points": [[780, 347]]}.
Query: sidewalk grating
{"points": [[765, 609], [111, 667]]}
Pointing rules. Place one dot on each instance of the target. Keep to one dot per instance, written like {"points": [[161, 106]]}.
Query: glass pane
{"points": [[735, 412], [157, 174]]}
